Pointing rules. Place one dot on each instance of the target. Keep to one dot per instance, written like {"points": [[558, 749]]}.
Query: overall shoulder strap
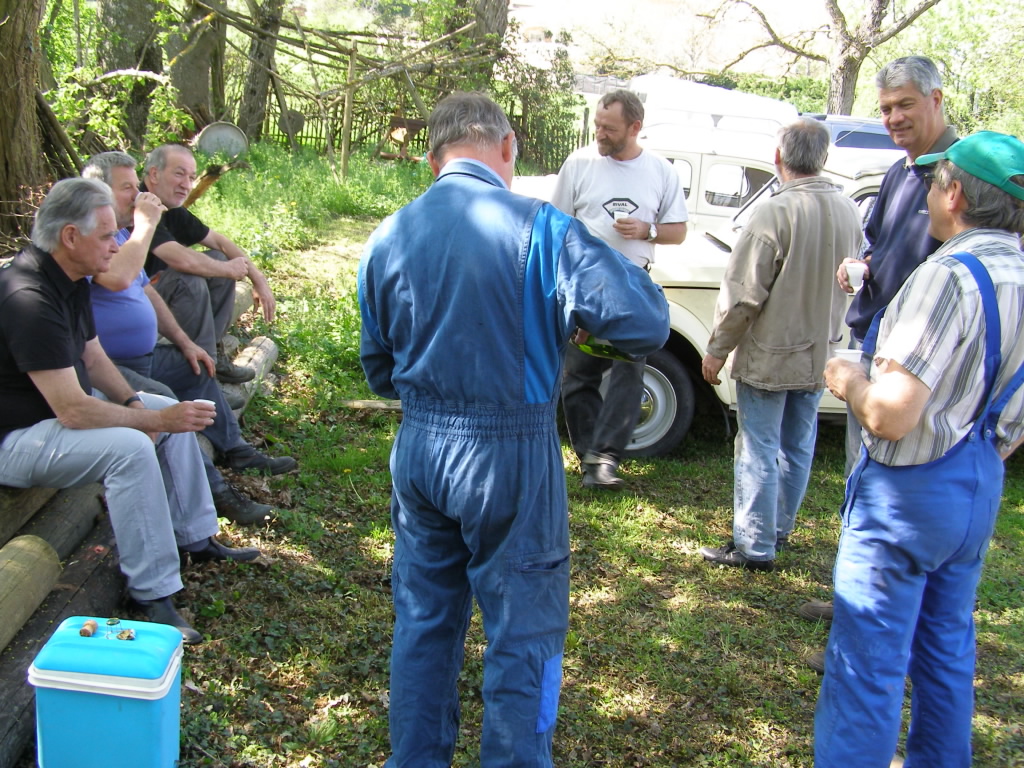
{"points": [[993, 330]]}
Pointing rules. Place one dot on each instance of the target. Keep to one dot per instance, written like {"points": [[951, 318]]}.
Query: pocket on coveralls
{"points": [[541, 587]]}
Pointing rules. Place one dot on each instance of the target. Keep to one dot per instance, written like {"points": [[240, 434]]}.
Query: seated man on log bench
{"points": [[198, 287], [129, 312], [68, 417]]}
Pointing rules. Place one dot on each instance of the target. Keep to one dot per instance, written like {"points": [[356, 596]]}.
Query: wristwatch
{"points": [[652, 233]]}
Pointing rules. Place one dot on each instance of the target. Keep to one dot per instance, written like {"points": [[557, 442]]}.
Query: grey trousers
{"points": [[157, 495], [203, 306], [141, 383], [596, 424]]}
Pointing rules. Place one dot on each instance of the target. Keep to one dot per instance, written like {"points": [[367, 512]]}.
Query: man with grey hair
{"points": [[129, 313], [198, 286], [942, 407], [68, 417], [781, 310], [479, 504], [910, 100], [632, 199]]}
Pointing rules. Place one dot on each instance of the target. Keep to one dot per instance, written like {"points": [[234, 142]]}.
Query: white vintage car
{"points": [[691, 273]]}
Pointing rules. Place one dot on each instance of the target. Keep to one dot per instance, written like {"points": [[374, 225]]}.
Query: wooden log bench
{"points": [[58, 559]]}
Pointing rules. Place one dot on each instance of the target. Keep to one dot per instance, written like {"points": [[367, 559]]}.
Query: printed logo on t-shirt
{"points": [[620, 205]]}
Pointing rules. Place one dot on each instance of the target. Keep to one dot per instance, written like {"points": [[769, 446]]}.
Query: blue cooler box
{"points": [[98, 696]]}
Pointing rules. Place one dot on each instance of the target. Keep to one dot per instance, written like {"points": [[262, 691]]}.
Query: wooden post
{"points": [[28, 570], [286, 121], [415, 94], [346, 123]]}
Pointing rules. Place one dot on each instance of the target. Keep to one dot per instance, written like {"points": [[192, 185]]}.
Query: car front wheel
{"points": [[666, 410]]}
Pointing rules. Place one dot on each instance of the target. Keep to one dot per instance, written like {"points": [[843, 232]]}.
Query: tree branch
{"points": [[774, 37], [901, 23], [142, 74]]}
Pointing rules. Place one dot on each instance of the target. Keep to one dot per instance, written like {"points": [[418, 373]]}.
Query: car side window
{"points": [[731, 185], [685, 173]]}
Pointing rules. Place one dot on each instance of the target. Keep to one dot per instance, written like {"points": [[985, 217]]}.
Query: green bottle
{"points": [[601, 348]]}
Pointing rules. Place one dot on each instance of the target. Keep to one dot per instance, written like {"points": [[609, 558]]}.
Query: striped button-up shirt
{"points": [[935, 328]]}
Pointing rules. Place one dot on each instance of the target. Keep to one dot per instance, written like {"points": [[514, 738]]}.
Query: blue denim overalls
{"points": [[913, 542]]}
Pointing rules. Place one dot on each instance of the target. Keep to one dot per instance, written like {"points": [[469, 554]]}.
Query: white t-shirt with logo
{"points": [[593, 187]]}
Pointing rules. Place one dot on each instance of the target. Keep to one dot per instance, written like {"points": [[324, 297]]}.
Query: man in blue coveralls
{"points": [[941, 408], [468, 296]]}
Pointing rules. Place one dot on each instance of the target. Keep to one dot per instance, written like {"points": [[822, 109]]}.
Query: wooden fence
{"points": [[540, 145]]}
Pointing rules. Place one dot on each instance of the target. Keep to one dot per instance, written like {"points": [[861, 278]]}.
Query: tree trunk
{"points": [[257, 80], [218, 86], [21, 154], [130, 42], [192, 52], [842, 84]]}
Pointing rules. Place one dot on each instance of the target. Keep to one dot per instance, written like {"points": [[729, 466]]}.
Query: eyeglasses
{"points": [[927, 178]]}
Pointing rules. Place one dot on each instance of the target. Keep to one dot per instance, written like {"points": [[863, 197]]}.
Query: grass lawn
{"points": [[669, 662]]}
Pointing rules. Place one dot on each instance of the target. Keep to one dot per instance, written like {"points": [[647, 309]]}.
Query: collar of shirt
{"points": [[963, 241], [470, 167], [48, 266]]}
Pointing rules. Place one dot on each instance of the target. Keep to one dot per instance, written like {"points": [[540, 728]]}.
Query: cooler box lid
{"points": [[143, 668]]}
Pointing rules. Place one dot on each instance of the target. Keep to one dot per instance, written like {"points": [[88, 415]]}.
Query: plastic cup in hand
{"points": [[855, 274], [851, 355], [207, 402], [620, 215]]}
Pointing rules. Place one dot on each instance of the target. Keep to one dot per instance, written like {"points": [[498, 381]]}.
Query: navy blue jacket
{"points": [[898, 239]]}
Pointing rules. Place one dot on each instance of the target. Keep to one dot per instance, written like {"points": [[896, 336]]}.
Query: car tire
{"points": [[667, 407]]}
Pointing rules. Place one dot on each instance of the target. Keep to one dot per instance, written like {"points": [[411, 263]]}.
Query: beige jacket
{"points": [[780, 307]]}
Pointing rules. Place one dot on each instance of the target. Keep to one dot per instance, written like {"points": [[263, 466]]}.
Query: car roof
{"points": [[862, 132], [856, 162]]}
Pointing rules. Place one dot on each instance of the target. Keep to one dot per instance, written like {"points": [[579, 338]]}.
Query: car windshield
{"points": [[851, 137]]}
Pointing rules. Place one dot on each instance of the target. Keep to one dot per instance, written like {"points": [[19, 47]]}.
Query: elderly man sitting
{"points": [[68, 417], [129, 312]]}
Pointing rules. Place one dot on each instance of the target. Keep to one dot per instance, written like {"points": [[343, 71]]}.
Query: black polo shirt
{"points": [[177, 225], [45, 321]]}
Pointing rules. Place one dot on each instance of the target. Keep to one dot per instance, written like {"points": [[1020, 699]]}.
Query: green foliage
{"points": [[541, 104], [976, 47], [807, 94], [96, 109], [283, 202], [57, 34]]}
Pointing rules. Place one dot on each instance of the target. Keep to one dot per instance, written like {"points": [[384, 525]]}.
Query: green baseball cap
{"points": [[990, 156]]}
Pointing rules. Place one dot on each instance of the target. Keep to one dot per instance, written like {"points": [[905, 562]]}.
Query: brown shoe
{"points": [[815, 610], [816, 661]]}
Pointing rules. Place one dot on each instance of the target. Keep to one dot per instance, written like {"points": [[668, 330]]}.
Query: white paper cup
{"points": [[206, 402], [853, 355], [855, 274], [620, 215]]}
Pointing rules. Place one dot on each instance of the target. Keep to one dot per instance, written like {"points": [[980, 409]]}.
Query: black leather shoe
{"points": [[599, 472], [248, 457], [816, 661], [162, 611], [230, 373], [214, 550], [727, 554], [241, 509]]}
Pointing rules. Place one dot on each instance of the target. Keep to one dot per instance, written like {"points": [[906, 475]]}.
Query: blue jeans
{"points": [[479, 510], [773, 453]]}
